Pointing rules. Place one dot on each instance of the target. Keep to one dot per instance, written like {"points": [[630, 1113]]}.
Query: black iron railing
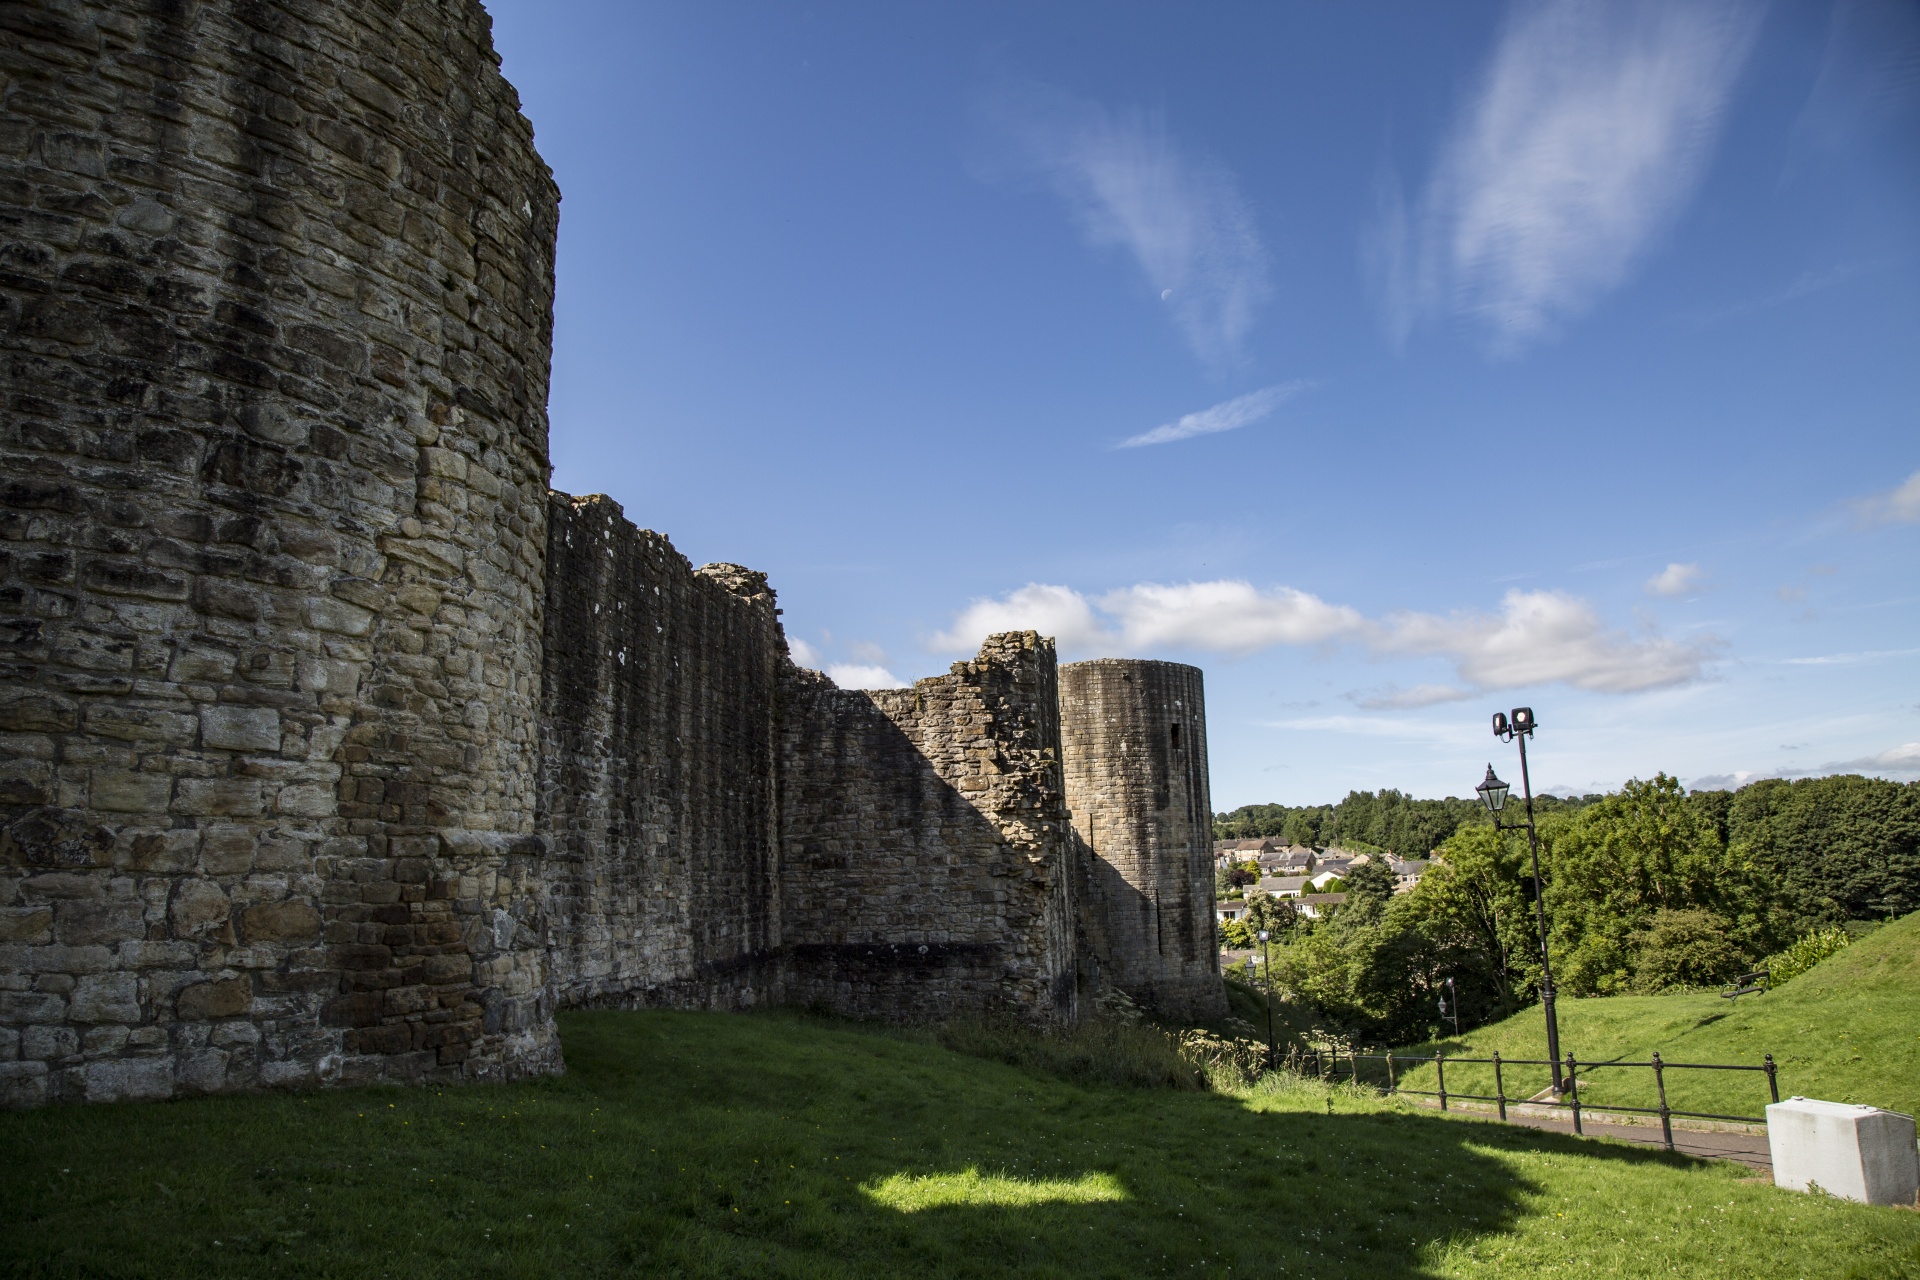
{"points": [[1327, 1063]]}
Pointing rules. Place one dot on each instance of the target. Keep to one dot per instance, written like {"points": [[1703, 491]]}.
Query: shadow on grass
{"points": [[768, 1145]]}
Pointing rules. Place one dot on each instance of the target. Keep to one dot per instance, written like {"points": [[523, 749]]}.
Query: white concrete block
{"points": [[1854, 1152]]}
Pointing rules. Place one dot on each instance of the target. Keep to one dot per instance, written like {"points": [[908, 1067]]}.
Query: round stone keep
{"points": [[1134, 749], [275, 320]]}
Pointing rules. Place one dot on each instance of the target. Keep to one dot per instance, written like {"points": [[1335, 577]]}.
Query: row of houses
{"points": [[1310, 905], [1287, 864], [1301, 874]]}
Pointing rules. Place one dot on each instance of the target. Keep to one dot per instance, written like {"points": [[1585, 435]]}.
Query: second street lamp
{"points": [[1266, 968], [1493, 794]]}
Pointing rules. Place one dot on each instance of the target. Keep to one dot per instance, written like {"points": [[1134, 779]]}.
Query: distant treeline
{"points": [[1370, 821], [1647, 889]]}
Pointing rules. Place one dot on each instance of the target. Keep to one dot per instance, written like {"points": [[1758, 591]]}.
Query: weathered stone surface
{"points": [[197, 907], [925, 842], [1135, 738], [240, 728], [280, 922], [105, 997], [223, 998], [657, 781], [307, 682], [275, 323]]}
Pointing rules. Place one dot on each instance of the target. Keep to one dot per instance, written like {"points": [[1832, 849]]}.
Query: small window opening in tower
{"points": [[1176, 737]]}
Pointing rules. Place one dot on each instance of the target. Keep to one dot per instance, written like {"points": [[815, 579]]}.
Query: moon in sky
{"points": [[1165, 294]]}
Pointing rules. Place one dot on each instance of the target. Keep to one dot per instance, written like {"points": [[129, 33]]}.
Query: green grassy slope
{"points": [[1847, 1031], [775, 1146]]}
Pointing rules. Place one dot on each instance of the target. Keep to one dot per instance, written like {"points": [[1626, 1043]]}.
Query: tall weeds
{"points": [[1784, 966], [1096, 1051]]}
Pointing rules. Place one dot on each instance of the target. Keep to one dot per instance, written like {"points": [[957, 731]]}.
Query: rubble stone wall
{"points": [[275, 305], [657, 784], [1134, 738], [333, 746], [924, 842]]}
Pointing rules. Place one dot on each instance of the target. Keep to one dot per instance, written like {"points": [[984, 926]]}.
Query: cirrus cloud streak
{"points": [[1589, 133], [1130, 185], [1229, 415]]}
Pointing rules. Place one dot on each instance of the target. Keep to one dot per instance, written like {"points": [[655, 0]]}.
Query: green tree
{"points": [[1369, 888], [1236, 934], [1612, 866], [1685, 948], [1476, 903], [1276, 915], [1838, 848]]}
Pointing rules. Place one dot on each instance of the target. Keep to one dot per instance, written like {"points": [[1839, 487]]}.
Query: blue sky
{"points": [[1395, 363]]}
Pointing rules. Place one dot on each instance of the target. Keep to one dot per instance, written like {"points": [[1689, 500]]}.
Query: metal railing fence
{"points": [[1326, 1064]]}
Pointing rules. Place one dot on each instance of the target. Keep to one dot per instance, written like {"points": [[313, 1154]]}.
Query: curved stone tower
{"points": [[275, 320], [1134, 744]]}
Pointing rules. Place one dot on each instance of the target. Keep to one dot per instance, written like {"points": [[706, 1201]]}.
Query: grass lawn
{"points": [[774, 1145], [1847, 1031]]}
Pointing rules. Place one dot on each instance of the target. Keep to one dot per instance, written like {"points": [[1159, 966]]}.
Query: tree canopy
{"points": [[1386, 821], [1646, 889]]}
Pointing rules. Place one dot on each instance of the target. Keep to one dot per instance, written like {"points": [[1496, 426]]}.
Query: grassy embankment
{"points": [[773, 1145], [1848, 1031]]}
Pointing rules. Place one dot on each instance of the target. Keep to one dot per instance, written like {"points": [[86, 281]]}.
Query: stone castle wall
{"points": [[657, 784], [1135, 748], [276, 307], [335, 748], [924, 842]]}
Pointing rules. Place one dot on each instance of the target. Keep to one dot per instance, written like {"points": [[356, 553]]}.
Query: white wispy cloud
{"points": [[1536, 637], [1904, 758], [1420, 695], [1060, 612], [1228, 415], [1899, 505], [1902, 761], [1225, 616], [1676, 580], [803, 654], [1541, 637], [1131, 186], [1588, 134], [854, 675], [1848, 659]]}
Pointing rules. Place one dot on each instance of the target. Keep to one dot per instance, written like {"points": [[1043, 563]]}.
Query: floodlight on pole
{"points": [[1518, 725]]}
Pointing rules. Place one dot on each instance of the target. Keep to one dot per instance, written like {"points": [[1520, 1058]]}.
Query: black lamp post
{"points": [[1266, 966], [1450, 1004], [1493, 793]]}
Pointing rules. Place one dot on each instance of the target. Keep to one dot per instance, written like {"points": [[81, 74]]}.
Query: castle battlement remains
{"points": [[334, 746]]}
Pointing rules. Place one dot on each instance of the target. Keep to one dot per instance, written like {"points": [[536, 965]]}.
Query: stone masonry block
{"points": [[280, 922], [34, 710], [325, 613], [99, 921], [106, 997], [199, 908], [23, 1084], [219, 797], [141, 724], [26, 924], [223, 998], [240, 728], [129, 1079], [128, 791]]}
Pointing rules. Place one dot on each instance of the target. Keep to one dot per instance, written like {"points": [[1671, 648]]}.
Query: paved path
{"points": [[1724, 1142], [1749, 1149]]}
